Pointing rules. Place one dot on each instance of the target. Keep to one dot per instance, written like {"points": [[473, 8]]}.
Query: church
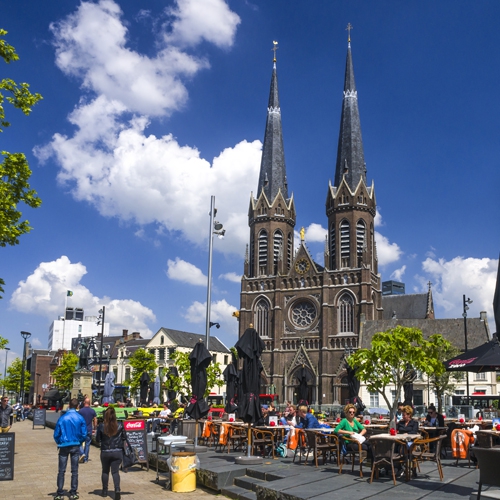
{"points": [[309, 314]]}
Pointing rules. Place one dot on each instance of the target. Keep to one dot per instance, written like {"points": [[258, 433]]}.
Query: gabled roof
{"points": [[189, 340], [413, 306]]}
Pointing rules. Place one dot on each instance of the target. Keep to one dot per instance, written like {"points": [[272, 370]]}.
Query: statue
{"points": [[83, 360]]}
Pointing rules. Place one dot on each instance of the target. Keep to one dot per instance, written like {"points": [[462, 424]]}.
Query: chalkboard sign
{"points": [[39, 417], [7, 446], [136, 435]]}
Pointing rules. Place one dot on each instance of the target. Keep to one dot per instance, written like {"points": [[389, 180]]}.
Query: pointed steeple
{"points": [[350, 154], [272, 176]]}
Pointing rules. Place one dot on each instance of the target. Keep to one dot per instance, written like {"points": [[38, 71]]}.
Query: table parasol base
{"points": [[195, 449], [248, 460]]}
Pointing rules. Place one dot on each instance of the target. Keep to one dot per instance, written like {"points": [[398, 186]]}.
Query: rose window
{"points": [[303, 314]]}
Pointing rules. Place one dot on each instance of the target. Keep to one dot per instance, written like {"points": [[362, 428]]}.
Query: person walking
{"points": [[90, 417], [69, 434], [111, 435], [5, 414]]}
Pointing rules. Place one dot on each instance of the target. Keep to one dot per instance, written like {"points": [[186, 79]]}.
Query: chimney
{"points": [[125, 334], [136, 335], [482, 315]]}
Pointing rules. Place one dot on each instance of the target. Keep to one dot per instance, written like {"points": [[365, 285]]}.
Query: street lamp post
{"points": [[25, 336], [7, 349], [38, 375], [464, 314], [218, 229], [102, 314]]}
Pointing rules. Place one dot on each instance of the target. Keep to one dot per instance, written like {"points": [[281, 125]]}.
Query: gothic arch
{"points": [[345, 311], [262, 316]]}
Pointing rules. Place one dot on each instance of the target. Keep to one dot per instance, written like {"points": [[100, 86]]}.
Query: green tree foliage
{"points": [[392, 352], [12, 382], [14, 169], [3, 342], [182, 383], [63, 374], [141, 361]]}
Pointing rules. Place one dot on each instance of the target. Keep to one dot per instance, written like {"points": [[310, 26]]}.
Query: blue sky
{"points": [[150, 108]]}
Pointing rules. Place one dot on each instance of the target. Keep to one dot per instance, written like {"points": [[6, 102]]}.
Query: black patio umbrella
{"points": [[54, 395], [250, 347], [353, 384], [144, 381], [199, 359], [303, 377], [496, 301], [151, 392], [410, 375], [231, 378], [484, 358], [172, 372]]}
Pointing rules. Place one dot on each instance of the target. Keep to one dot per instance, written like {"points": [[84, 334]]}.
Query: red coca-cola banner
{"points": [[133, 425]]}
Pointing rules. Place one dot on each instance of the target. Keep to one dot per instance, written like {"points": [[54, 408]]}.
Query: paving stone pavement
{"points": [[35, 472]]}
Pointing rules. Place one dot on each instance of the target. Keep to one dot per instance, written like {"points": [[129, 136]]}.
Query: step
{"points": [[493, 494], [238, 493], [248, 482]]}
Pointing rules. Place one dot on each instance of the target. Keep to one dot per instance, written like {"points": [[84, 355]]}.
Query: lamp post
{"points": [[464, 314], [25, 336], [7, 349], [38, 375], [218, 229], [102, 314]]}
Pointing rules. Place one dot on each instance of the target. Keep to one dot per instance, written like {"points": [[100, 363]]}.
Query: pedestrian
{"points": [[90, 417], [69, 434], [111, 435], [5, 414]]}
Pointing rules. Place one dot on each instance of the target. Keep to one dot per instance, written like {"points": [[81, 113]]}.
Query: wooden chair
{"points": [[354, 449], [420, 452], [458, 439], [262, 439], [385, 454], [487, 459], [324, 444], [215, 437], [483, 440], [237, 436], [301, 444]]}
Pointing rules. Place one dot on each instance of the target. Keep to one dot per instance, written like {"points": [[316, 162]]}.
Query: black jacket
{"points": [[110, 443]]}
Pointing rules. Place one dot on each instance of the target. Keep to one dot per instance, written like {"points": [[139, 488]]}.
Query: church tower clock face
{"points": [[302, 266]]}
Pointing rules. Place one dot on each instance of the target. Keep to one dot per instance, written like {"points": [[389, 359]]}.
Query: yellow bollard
{"points": [[183, 468]]}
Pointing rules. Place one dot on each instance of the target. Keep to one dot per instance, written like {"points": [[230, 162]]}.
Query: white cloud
{"points": [[209, 20], [233, 277], [315, 233], [398, 273], [476, 278], [378, 218], [220, 312], [36, 342], [386, 252], [181, 270], [44, 291]]}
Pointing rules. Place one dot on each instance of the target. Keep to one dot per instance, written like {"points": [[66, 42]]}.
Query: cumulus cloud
{"points": [[378, 218], [110, 161], [315, 233], [386, 252], [233, 277], [220, 312], [45, 290], [181, 270], [398, 273], [451, 279]]}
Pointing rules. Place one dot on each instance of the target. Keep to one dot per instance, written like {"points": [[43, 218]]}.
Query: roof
{"points": [[189, 340], [412, 306], [451, 329]]}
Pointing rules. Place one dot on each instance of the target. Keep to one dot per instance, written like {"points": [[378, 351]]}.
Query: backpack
{"points": [[281, 450]]}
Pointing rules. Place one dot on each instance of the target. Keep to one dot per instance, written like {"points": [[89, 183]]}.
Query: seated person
{"points": [[433, 418], [349, 426], [165, 413], [306, 420], [407, 425], [264, 419]]}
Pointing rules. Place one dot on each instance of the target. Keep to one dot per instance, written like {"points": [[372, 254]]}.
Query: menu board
{"points": [[39, 416], [7, 446], [136, 435]]}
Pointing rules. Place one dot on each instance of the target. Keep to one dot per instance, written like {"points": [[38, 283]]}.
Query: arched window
{"points": [[162, 340], [332, 247], [372, 248], [263, 252], [262, 317], [289, 251], [277, 249], [345, 243], [346, 313], [251, 257], [360, 241]]}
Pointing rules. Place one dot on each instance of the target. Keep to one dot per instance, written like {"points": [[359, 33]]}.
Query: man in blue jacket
{"points": [[307, 420], [69, 434]]}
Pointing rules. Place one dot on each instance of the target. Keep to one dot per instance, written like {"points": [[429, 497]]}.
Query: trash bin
{"points": [[183, 465]]}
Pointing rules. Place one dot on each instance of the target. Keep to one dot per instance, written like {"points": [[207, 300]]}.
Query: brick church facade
{"points": [[308, 314]]}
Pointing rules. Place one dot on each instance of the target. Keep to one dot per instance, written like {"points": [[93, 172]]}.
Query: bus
{"points": [[477, 401], [266, 399]]}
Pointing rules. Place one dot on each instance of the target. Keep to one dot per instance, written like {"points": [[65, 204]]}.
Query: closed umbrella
{"points": [[151, 393], [109, 387], [172, 372], [144, 381], [199, 359], [303, 377], [231, 378], [352, 383], [156, 391], [410, 376]]}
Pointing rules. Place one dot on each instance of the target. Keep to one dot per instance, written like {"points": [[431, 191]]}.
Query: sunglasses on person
{"points": [[351, 411]]}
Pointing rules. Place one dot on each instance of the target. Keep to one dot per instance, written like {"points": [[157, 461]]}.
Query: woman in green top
{"points": [[350, 425]]}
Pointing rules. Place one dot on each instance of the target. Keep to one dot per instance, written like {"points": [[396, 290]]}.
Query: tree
{"points": [[3, 342], [63, 374], [12, 382], [14, 170], [386, 363], [141, 361], [182, 383]]}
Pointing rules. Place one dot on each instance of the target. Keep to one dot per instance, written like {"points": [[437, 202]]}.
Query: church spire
{"points": [[350, 155], [272, 176]]}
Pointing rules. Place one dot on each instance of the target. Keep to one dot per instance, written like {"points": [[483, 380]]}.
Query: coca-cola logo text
{"points": [[459, 363], [134, 425]]}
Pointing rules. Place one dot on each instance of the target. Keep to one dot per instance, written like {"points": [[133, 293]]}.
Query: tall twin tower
{"points": [[309, 315]]}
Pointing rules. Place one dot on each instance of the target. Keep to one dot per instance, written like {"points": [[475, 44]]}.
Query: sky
{"points": [[150, 108]]}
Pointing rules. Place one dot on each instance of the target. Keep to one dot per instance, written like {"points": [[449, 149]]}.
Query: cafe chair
{"points": [[420, 452], [487, 459], [461, 442], [237, 436], [215, 437], [354, 449], [325, 445], [385, 455], [301, 448], [264, 440], [483, 440]]}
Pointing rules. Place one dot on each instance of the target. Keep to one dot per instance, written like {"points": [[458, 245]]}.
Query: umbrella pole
{"points": [[249, 440], [196, 434]]}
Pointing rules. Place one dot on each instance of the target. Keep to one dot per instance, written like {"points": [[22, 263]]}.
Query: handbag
{"points": [[129, 454]]}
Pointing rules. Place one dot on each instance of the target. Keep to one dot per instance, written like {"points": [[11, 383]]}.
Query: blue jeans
{"points": [[85, 451], [64, 453]]}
